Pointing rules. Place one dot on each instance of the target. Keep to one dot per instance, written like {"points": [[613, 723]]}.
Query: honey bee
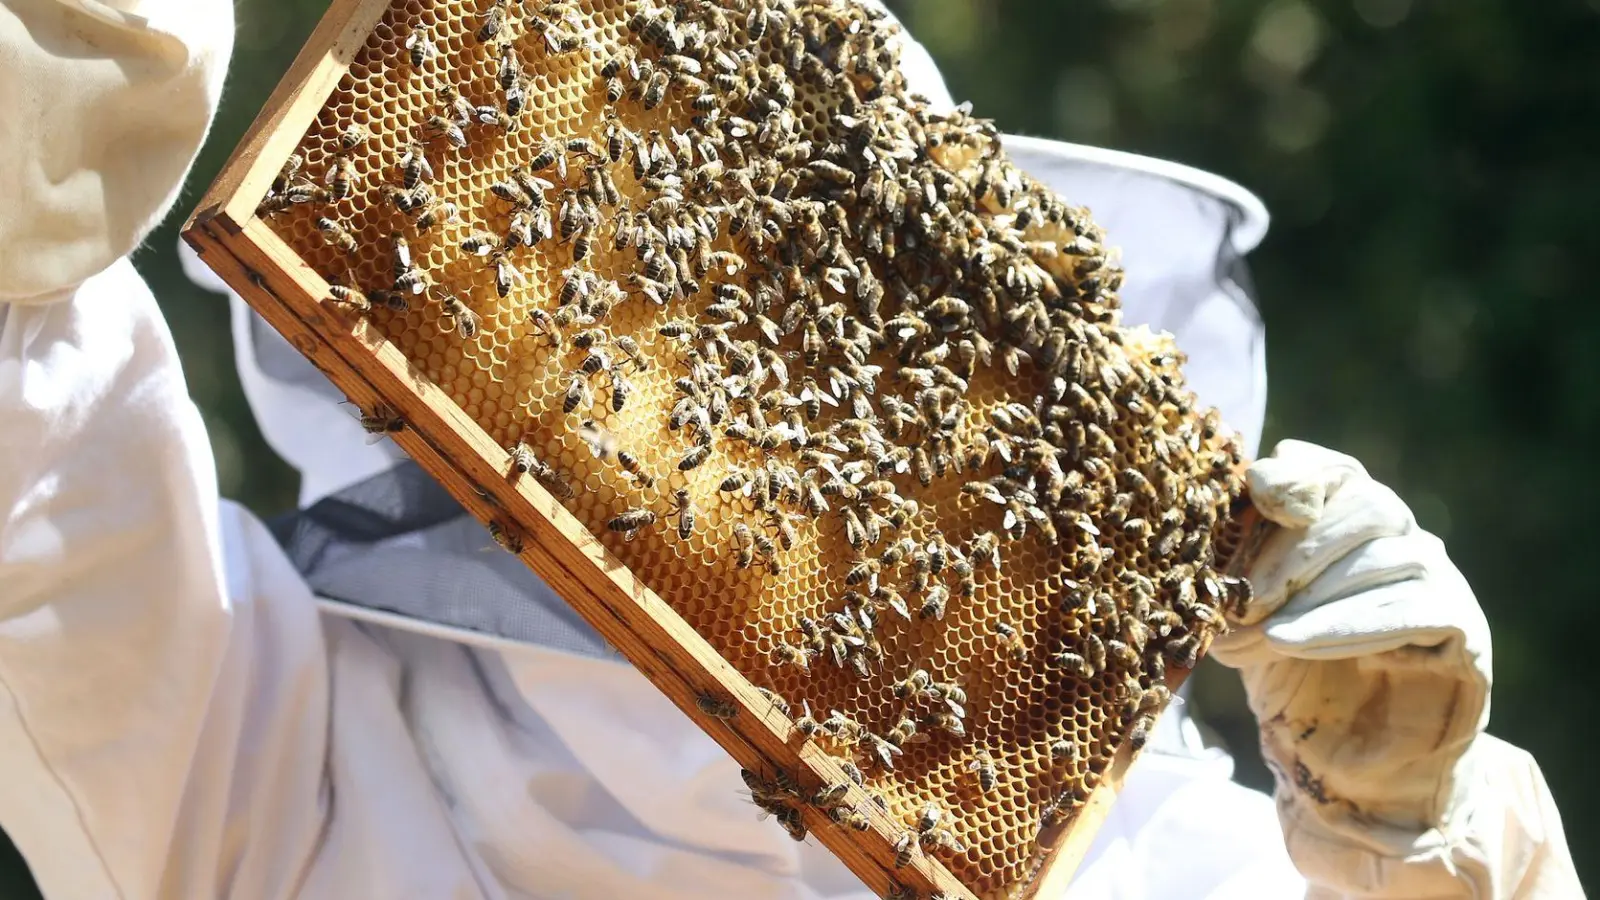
{"points": [[988, 776], [807, 724], [882, 751], [1011, 641], [352, 299], [419, 44], [1184, 651], [407, 277], [508, 540], [542, 471], [776, 701], [694, 457], [843, 729], [600, 442], [494, 116], [941, 839], [1122, 654], [934, 602], [764, 545], [790, 819], [830, 795], [621, 389], [635, 470], [577, 394], [414, 166], [296, 192], [905, 848], [522, 458], [439, 126], [1094, 650], [597, 361], [466, 321], [481, 243], [412, 201], [945, 721], [632, 521], [1073, 663], [1053, 814], [380, 422], [1239, 594], [790, 655], [736, 481], [337, 236], [761, 790], [572, 217], [849, 817], [510, 73], [353, 137], [745, 542], [506, 275], [788, 535], [458, 108], [435, 212], [341, 176], [1150, 705], [1063, 749], [711, 705], [913, 685], [516, 96], [549, 154], [491, 21], [655, 90], [630, 349], [864, 570]]}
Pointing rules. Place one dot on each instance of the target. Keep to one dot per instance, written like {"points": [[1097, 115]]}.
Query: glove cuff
{"points": [[1500, 837]]}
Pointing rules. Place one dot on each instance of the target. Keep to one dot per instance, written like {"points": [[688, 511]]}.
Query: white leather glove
{"points": [[1366, 660]]}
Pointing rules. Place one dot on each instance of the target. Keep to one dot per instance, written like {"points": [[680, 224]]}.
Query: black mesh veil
{"points": [[398, 543]]}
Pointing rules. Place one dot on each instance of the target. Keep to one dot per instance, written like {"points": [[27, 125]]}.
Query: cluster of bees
{"points": [[836, 291]]}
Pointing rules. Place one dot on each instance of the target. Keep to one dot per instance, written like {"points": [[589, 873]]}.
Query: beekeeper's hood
{"points": [[105, 105], [1183, 235]]}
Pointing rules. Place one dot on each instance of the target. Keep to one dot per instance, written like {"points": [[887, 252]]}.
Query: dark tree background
{"points": [[1432, 167]]}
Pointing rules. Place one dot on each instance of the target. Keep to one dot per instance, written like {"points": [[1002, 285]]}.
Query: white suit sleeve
{"points": [[162, 724], [161, 732]]}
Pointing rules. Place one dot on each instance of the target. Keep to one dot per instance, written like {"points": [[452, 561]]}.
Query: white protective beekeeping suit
{"points": [[182, 717]]}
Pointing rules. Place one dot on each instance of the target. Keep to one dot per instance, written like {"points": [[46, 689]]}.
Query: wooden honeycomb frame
{"points": [[267, 272]]}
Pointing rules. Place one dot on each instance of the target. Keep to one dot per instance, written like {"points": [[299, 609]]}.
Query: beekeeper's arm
{"points": [[1366, 659], [161, 733]]}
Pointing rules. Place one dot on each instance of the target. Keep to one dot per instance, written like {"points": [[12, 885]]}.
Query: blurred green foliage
{"points": [[1432, 168]]}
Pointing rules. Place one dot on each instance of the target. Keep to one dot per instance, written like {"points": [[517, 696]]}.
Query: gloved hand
{"points": [[1366, 660]]}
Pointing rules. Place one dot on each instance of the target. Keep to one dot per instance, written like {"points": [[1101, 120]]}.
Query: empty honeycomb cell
{"points": [[803, 173]]}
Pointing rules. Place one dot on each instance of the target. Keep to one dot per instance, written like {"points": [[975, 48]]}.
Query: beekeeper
{"points": [[384, 711]]}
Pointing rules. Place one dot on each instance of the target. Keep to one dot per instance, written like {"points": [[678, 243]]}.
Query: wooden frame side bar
{"points": [[289, 112]]}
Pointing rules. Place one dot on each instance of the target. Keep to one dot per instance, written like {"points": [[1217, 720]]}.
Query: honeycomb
{"points": [[835, 296]]}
